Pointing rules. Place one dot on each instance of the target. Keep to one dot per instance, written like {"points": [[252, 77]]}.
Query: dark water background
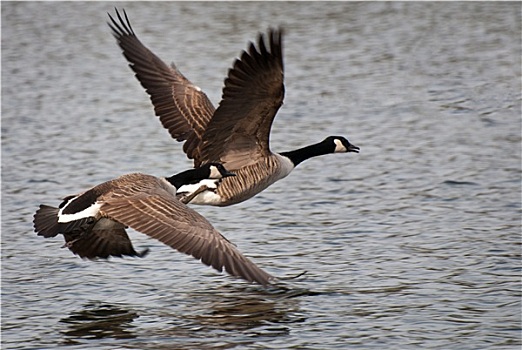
{"points": [[412, 244]]}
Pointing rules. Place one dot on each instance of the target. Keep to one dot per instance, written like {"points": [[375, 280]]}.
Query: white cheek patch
{"points": [[214, 173], [88, 212], [339, 147]]}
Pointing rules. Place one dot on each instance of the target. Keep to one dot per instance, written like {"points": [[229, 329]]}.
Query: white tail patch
{"points": [[93, 211]]}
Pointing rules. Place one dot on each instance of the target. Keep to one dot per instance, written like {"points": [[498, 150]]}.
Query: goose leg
{"points": [[70, 243], [187, 199]]}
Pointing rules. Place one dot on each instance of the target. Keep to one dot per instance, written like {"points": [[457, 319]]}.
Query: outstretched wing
{"points": [[239, 131], [164, 218], [182, 107]]}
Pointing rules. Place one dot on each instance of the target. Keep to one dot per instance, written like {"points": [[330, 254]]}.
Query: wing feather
{"points": [[238, 131], [101, 243], [164, 218], [183, 109], [253, 93]]}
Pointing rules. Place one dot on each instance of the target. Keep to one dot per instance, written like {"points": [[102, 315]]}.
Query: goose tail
{"points": [[46, 221]]}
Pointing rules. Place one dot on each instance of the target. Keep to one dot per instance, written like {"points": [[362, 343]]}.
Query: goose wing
{"points": [[161, 216], [183, 109], [239, 131], [107, 238], [100, 239]]}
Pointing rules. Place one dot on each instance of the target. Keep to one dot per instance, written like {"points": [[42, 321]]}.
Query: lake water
{"points": [[412, 244]]}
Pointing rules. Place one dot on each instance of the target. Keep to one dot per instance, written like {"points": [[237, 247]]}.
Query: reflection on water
{"points": [[234, 311], [414, 243], [98, 320], [214, 316]]}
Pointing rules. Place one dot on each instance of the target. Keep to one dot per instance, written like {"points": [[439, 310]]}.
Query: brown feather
{"points": [[158, 214], [147, 204], [252, 95], [182, 107]]}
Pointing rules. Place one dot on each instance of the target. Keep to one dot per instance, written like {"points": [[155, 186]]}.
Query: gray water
{"points": [[412, 244]]}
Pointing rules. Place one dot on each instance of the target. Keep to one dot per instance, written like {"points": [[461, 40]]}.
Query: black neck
{"points": [[186, 177], [307, 152]]}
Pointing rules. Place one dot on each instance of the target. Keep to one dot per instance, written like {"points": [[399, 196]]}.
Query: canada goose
{"points": [[235, 134], [93, 223]]}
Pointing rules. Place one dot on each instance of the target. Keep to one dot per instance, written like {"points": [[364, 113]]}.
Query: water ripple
{"points": [[412, 243]]}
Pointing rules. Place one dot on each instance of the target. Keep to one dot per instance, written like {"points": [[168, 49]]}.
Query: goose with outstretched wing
{"points": [[235, 134], [94, 222]]}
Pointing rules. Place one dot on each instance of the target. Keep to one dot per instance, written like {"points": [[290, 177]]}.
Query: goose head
{"points": [[339, 144], [216, 171]]}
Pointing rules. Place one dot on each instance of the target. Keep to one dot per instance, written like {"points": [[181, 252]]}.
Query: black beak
{"points": [[228, 173], [353, 148]]}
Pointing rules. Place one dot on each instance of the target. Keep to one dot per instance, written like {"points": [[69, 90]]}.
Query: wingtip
{"points": [[123, 27]]}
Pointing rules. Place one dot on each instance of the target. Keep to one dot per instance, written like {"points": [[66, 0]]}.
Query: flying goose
{"points": [[93, 223], [235, 134]]}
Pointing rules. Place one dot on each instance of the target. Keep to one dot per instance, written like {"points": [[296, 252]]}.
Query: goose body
{"points": [[94, 222], [235, 134], [250, 180]]}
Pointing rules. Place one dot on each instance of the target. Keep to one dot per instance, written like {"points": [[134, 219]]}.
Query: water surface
{"points": [[413, 243]]}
